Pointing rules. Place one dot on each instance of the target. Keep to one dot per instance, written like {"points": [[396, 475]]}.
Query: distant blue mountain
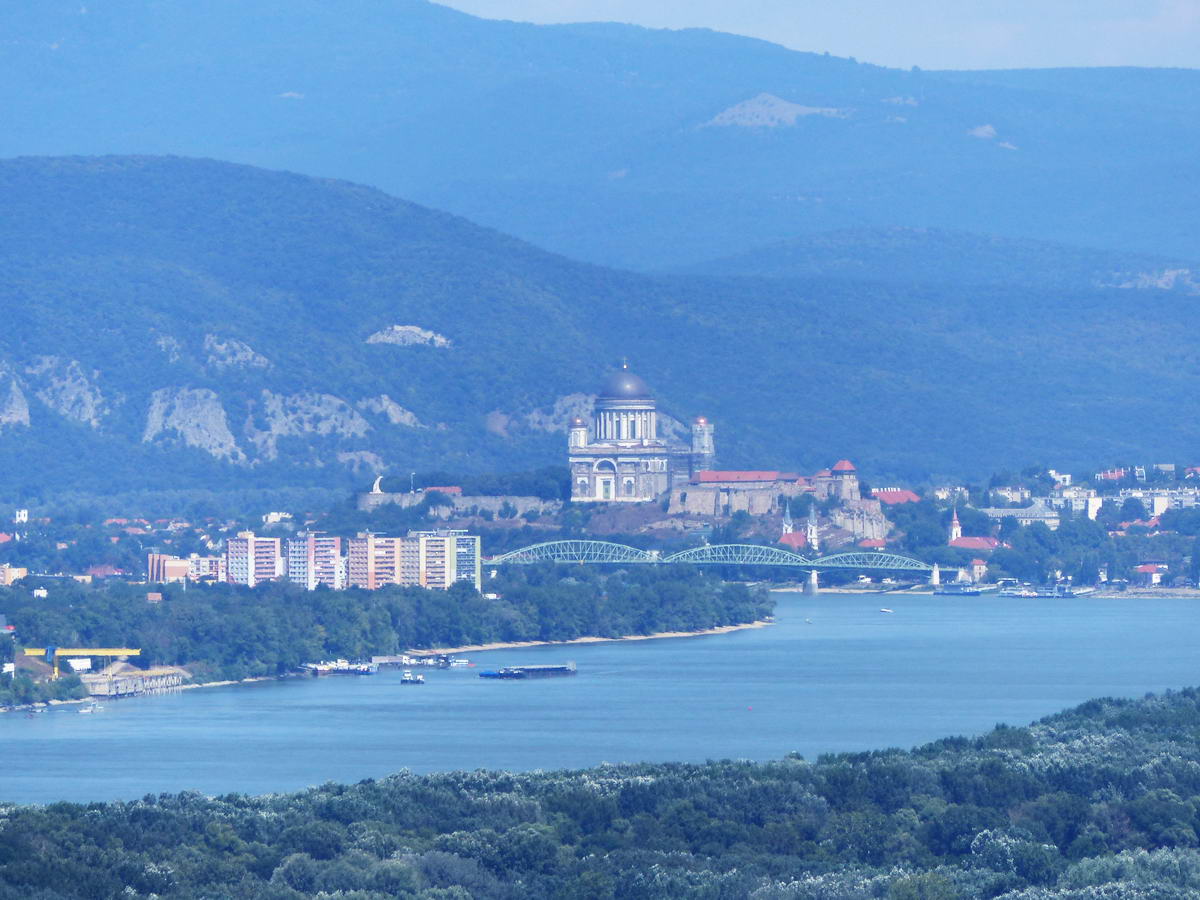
{"points": [[610, 143], [931, 256]]}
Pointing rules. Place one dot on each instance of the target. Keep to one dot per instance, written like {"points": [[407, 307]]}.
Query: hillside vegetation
{"points": [[1098, 802], [611, 143], [225, 631], [179, 324]]}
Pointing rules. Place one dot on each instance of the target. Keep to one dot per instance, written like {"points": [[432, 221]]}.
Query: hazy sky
{"points": [[933, 34]]}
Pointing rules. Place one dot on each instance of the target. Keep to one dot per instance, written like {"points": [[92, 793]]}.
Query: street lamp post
{"points": [[412, 482]]}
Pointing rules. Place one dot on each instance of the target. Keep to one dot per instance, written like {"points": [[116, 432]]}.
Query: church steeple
{"points": [[788, 525], [812, 537], [955, 527]]}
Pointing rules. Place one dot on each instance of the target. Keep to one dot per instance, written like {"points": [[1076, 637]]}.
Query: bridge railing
{"points": [[609, 553]]}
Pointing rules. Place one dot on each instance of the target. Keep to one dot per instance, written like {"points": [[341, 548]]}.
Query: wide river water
{"points": [[834, 673]]}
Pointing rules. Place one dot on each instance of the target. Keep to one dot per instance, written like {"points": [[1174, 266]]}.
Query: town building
{"points": [[1038, 511], [162, 568], [251, 560], [10, 574], [430, 559], [1012, 494], [623, 455], [207, 568], [373, 560], [840, 482], [894, 496], [979, 544], [1076, 499], [314, 558], [446, 558]]}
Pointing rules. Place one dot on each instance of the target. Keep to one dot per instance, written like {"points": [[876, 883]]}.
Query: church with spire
{"points": [[623, 455]]}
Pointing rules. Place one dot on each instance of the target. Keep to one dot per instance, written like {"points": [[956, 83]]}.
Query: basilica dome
{"points": [[624, 385]]}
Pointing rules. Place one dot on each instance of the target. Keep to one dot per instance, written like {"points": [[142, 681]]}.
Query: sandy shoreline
{"points": [[470, 648], [476, 648]]}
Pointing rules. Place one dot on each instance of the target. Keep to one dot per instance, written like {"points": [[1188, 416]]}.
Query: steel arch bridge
{"points": [[606, 552], [577, 552]]}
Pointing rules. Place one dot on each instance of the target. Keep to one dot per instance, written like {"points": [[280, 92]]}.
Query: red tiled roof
{"points": [[872, 543], [711, 475], [978, 562], [823, 473], [5, 538], [975, 543], [797, 540], [891, 498], [843, 465], [1148, 569]]}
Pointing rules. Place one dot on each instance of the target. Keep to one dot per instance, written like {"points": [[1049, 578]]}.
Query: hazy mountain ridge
{"points": [[178, 322], [937, 256], [591, 139]]}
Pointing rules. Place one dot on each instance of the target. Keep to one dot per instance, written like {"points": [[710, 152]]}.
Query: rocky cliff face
{"points": [[64, 386], [14, 408], [193, 417]]}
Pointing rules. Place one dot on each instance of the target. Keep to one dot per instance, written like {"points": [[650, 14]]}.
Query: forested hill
{"points": [[1098, 802], [181, 323], [611, 143]]}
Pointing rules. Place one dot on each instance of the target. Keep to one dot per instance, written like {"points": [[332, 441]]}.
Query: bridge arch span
{"points": [[576, 551]]}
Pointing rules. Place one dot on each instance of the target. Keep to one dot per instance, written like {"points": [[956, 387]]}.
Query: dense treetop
{"points": [[1102, 801]]}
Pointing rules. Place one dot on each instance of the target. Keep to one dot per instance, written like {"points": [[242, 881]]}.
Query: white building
{"points": [[314, 558], [624, 456], [250, 560]]}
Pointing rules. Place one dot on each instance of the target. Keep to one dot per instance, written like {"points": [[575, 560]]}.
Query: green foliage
{"points": [[1099, 801], [225, 631], [140, 261]]}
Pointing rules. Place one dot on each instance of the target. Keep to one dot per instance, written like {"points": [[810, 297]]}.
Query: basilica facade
{"points": [[623, 456]]}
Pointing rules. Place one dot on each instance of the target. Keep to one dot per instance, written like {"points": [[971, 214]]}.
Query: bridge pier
{"points": [[813, 585], [936, 578]]}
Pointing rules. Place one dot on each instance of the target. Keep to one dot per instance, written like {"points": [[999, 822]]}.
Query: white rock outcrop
{"points": [[409, 336], [170, 347], [768, 111], [196, 417], [277, 416], [14, 407], [383, 405], [63, 386], [230, 353]]}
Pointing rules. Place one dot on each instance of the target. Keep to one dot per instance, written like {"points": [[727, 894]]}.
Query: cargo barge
{"points": [[514, 672]]}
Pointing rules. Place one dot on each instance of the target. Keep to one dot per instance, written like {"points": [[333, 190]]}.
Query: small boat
{"points": [[885, 609], [513, 672], [409, 678]]}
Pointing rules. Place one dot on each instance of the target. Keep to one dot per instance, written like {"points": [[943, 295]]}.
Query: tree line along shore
{"points": [[227, 633], [1099, 802]]}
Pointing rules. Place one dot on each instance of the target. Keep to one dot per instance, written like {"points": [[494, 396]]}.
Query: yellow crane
{"points": [[52, 654]]}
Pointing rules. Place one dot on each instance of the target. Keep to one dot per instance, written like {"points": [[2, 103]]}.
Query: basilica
{"points": [[623, 455]]}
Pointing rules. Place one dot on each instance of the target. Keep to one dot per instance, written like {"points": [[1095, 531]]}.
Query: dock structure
{"points": [[120, 679]]}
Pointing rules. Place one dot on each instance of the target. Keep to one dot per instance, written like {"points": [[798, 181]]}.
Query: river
{"points": [[834, 673]]}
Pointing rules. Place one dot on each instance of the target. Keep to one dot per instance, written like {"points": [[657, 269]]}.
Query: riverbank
{"points": [[511, 645]]}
